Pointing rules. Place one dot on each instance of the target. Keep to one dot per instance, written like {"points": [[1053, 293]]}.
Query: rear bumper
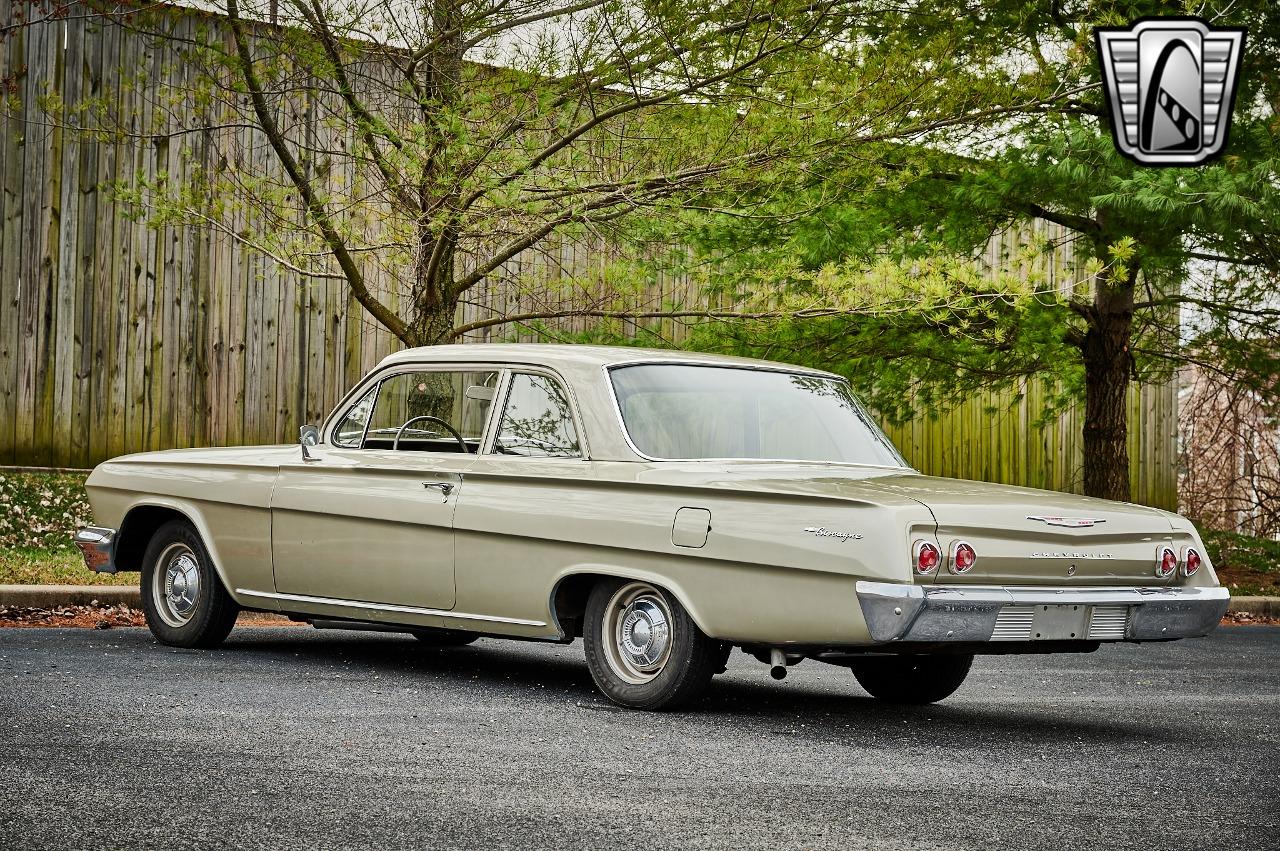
{"points": [[917, 613], [97, 546]]}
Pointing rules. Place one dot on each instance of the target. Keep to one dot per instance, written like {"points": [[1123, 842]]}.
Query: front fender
{"points": [[238, 539]]}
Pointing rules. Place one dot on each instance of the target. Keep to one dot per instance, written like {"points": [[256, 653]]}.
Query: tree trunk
{"points": [[1108, 363], [433, 322], [435, 292]]}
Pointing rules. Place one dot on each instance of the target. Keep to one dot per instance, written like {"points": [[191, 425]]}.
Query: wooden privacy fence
{"points": [[117, 337]]}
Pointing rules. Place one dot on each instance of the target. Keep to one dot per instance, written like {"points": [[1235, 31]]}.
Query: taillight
{"points": [[963, 557], [1166, 562], [1190, 561], [927, 557]]}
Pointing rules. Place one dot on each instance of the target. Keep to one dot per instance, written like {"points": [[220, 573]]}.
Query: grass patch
{"points": [[1246, 565], [45, 567], [39, 512]]}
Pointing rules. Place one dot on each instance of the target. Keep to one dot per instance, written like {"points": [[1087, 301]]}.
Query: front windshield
{"points": [[676, 411]]}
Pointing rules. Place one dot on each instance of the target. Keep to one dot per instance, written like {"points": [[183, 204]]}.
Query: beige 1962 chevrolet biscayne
{"points": [[664, 506]]}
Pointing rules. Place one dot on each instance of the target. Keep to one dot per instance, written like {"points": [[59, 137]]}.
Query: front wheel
{"points": [[182, 596], [643, 649], [912, 679]]}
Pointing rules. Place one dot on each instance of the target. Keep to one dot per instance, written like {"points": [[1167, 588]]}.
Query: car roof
{"points": [[568, 355]]}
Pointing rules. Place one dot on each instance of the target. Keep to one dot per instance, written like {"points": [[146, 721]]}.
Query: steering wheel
{"points": [[453, 431]]}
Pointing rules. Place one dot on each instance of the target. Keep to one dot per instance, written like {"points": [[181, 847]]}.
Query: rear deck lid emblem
{"points": [[1069, 522], [824, 532]]}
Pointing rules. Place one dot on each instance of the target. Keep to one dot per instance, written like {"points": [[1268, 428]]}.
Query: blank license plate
{"points": [[1059, 623]]}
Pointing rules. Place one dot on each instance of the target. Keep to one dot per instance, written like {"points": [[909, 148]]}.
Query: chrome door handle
{"points": [[445, 488]]}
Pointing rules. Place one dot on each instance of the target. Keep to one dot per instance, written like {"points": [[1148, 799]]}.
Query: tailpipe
{"points": [[777, 660], [777, 664]]}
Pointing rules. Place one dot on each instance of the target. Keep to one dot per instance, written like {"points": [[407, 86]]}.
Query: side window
{"points": [[538, 420], [431, 411], [351, 430]]}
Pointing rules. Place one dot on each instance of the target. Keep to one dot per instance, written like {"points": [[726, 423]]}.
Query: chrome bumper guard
{"points": [[898, 612], [96, 545]]}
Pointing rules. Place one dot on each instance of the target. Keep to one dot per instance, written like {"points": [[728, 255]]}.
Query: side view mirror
{"points": [[308, 435]]}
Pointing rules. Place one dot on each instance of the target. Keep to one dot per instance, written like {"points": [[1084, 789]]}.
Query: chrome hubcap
{"points": [[177, 580], [636, 632]]}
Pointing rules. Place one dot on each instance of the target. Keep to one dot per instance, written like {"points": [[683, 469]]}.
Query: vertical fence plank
{"points": [[85, 416], [134, 280], [251, 398], [12, 60], [65, 277], [34, 159], [286, 412], [117, 50]]}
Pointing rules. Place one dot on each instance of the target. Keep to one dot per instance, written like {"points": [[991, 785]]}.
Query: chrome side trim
{"points": [[385, 607], [1092, 595], [902, 612]]}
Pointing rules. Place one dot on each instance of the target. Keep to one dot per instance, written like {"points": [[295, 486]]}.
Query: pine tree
{"points": [[1171, 265]]}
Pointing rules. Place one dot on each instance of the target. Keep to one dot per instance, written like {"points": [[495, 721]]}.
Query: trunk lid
{"points": [[1025, 536]]}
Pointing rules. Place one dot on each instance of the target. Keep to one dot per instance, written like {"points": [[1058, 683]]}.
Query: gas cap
{"points": [[691, 527]]}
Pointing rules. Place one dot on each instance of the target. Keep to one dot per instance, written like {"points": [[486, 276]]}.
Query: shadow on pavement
{"points": [[512, 668]]}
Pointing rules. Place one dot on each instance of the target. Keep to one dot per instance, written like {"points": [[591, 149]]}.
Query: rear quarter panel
{"points": [[523, 525]]}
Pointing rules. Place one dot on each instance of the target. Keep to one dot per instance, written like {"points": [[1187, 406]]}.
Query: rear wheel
{"points": [[643, 649], [912, 679], [182, 596]]}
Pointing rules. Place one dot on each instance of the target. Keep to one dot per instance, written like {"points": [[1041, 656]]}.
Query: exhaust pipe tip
{"points": [[777, 664]]}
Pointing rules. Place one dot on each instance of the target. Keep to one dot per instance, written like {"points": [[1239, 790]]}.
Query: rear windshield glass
{"points": [[677, 411]]}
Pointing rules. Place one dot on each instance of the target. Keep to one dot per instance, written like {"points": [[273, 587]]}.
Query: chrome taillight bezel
{"points": [[1185, 562], [1161, 551], [916, 549], [953, 563]]}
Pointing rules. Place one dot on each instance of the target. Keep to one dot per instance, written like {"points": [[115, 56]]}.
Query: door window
{"points": [[538, 420], [351, 430], [430, 411]]}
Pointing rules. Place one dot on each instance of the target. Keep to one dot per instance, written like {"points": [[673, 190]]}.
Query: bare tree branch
{"points": [[315, 207]]}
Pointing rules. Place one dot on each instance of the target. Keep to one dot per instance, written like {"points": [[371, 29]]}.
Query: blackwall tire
{"points": [[643, 649], [912, 679], [182, 597]]}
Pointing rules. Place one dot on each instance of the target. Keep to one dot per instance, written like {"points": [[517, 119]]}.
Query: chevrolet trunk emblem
{"points": [[1170, 85], [1069, 522]]}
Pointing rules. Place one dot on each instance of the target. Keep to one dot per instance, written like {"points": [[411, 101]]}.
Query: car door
{"points": [[523, 512], [370, 518]]}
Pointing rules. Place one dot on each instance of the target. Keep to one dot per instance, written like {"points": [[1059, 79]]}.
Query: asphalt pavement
{"points": [[290, 737]]}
